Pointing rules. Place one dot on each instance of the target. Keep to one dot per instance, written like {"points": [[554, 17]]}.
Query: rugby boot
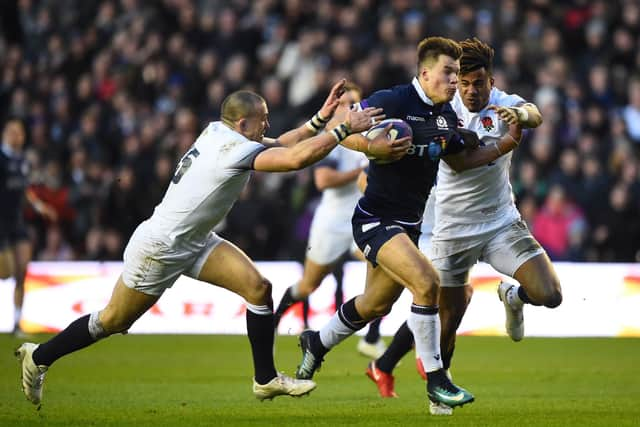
{"points": [[283, 385], [440, 389], [384, 381], [32, 374], [310, 361]]}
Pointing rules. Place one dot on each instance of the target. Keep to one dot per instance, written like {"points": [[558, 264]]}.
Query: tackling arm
{"points": [[526, 115], [481, 155], [318, 121], [302, 154]]}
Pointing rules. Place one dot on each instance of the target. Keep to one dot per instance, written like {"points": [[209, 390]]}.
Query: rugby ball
{"points": [[399, 129]]}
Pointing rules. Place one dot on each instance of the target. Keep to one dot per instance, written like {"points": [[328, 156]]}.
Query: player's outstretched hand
{"points": [[507, 114], [384, 148], [359, 121], [332, 101]]}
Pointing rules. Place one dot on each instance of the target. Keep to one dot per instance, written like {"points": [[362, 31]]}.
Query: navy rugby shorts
{"points": [[370, 232]]}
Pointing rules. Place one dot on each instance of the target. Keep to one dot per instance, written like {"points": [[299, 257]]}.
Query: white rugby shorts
{"points": [[152, 264], [327, 242], [505, 249]]}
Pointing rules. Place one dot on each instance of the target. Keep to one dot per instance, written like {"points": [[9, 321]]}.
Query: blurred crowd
{"points": [[113, 92]]}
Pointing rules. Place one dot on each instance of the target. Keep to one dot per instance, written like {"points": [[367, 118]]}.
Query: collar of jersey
{"points": [[421, 94]]}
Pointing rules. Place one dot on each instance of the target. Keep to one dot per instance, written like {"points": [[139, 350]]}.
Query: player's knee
{"points": [[551, 295], [553, 299], [426, 292], [259, 291], [428, 281]]}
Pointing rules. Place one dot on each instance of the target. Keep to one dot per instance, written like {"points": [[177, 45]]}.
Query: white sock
{"points": [[426, 334], [295, 291], [513, 298], [334, 332], [17, 315]]}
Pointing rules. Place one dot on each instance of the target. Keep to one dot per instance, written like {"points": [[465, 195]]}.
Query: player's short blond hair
{"points": [[240, 104]]}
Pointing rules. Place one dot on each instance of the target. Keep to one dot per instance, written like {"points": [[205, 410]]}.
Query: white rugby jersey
{"points": [[343, 160], [337, 203], [480, 199], [208, 181]]}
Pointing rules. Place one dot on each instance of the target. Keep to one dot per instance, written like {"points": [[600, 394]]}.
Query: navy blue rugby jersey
{"points": [[399, 190], [14, 171]]}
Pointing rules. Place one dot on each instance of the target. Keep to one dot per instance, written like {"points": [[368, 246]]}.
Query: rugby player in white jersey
{"points": [[330, 235], [178, 238], [476, 219]]}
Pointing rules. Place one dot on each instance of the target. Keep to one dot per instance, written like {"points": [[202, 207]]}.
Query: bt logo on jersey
{"points": [[433, 149]]}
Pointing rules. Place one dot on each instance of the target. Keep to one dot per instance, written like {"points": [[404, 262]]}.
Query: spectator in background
{"points": [[558, 225], [528, 184], [631, 111], [279, 114], [124, 204], [617, 230], [53, 191], [568, 175], [158, 184]]}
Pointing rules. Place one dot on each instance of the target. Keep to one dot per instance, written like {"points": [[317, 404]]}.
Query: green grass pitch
{"points": [[140, 380]]}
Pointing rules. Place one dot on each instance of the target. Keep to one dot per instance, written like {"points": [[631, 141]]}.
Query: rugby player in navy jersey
{"points": [[386, 221], [15, 248]]}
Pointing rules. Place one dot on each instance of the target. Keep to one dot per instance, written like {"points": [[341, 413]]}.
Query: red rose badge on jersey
{"points": [[487, 122]]}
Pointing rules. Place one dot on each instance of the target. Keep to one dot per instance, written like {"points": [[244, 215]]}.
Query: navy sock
{"points": [[75, 337], [349, 315], [260, 330], [373, 334], [316, 345], [401, 344], [524, 297]]}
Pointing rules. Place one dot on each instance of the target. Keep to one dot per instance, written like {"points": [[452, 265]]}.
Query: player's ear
{"points": [[424, 73], [242, 125], [491, 80]]}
